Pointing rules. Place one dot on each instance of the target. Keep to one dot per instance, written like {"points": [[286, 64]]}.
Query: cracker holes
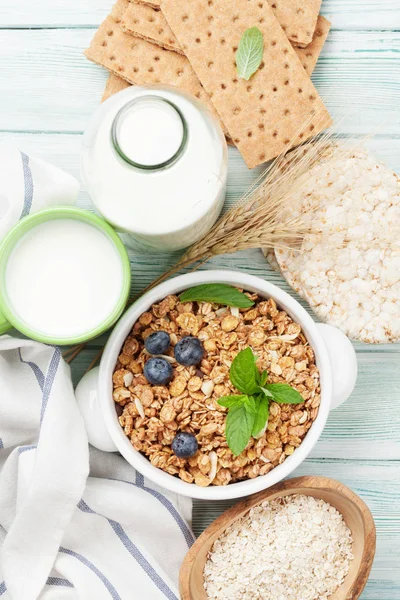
{"points": [[273, 43], [104, 44], [262, 20], [156, 58], [308, 34], [300, 90], [249, 134], [261, 96], [151, 19], [198, 41], [171, 41], [235, 80], [210, 64], [210, 18], [234, 49], [294, 36], [222, 41], [260, 5], [311, 97], [301, 135], [151, 69], [236, 110], [121, 69], [300, 11], [287, 82], [112, 58], [235, 18], [284, 27], [262, 157], [223, 86], [110, 33], [198, 95], [274, 6], [179, 72], [262, 65], [286, 142], [275, 89], [305, 66], [136, 21], [185, 18], [249, 88], [275, 134], [285, 51], [261, 126], [262, 111], [209, 34], [309, 54], [319, 32], [287, 112], [286, 65], [237, 141], [312, 127], [135, 70], [210, 2], [160, 31]]}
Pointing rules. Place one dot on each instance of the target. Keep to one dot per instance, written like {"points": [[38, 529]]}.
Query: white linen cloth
{"points": [[64, 535], [28, 185]]}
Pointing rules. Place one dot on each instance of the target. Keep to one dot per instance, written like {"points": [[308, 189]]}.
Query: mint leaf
{"points": [[250, 53], [220, 293], [284, 393], [266, 392], [229, 401], [244, 373], [238, 427], [263, 378], [262, 413]]}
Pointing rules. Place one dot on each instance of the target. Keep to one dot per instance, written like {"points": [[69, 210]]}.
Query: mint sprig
{"points": [[250, 52], [220, 293], [248, 412]]}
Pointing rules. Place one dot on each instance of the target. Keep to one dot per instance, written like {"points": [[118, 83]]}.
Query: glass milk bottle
{"points": [[155, 166]]}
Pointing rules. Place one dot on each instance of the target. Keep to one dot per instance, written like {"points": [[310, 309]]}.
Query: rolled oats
{"points": [[152, 415]]}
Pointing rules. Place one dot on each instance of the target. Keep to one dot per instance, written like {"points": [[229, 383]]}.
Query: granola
{"points": [[151, 416]]}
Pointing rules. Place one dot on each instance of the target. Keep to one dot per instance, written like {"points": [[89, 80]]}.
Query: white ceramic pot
{"points": [[335, 359]]}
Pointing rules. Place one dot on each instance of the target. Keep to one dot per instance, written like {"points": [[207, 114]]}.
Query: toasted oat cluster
{"points": [[151, 416]]}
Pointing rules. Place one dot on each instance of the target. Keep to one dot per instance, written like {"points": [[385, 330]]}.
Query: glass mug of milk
{"points": [[155, 166], [64, 276]]}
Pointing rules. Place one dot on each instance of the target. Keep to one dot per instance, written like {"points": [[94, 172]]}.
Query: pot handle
{"points": [[343, 361], [87, 398]]}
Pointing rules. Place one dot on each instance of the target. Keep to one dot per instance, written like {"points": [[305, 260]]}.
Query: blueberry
{"points": [[157, 342], [189, 351], [184, 445], [158, 371]]}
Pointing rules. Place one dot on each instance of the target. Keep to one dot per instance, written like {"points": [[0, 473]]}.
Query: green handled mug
{"points": [[9, 317]]}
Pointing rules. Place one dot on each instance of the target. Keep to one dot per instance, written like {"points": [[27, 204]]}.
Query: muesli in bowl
{"points": [[217, 385]]}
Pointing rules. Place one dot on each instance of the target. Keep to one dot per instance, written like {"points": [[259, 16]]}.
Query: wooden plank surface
{"points": [[47, 93], [344, 14], [358, 69]]}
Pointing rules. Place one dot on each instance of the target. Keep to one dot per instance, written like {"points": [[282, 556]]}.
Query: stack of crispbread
{"points": [[192, 45]]}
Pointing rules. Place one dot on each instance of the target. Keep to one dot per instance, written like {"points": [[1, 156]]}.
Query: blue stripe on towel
{"points": [[135, 552], [23, 449], [58, 581], [48, 383], [28, 181], [113, 592], [187, 534], [36, 370], [3, 588], [1, 444]]}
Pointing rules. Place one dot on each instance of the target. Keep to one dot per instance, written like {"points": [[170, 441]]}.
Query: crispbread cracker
{"points": [[298, 18], [309, 56], [149, 24], [265, 114], [142, 63], [114, 84]]}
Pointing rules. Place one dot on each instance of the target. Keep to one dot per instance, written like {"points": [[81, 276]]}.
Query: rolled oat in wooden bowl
{"points": [[176, 399]]}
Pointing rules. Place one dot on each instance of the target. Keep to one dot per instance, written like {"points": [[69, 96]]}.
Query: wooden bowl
{"points": [[355, 512]]}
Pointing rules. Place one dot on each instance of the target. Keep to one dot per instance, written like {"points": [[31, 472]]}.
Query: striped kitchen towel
{"points": [[66, 534], [28, 185]]}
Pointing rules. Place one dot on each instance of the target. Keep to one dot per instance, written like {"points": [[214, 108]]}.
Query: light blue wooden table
{"points": [[47, 92]]}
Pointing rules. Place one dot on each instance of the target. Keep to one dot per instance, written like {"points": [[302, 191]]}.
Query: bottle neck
{"points": [[149, 133]]}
